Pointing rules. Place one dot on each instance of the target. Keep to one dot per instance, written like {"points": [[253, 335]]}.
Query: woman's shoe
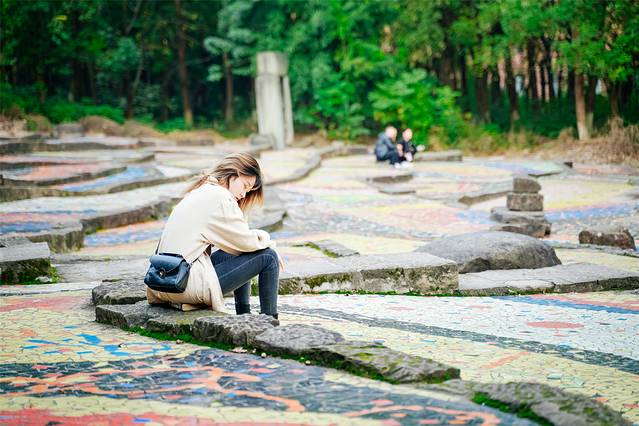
{"points": [[242, 308]]}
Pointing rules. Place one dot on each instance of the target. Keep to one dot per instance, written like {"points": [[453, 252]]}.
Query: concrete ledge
{"points": [[452, 155], [419, 273], [576, 277]]}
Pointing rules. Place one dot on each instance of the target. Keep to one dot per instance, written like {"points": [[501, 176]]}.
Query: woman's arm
{"points": [[229, 231]]}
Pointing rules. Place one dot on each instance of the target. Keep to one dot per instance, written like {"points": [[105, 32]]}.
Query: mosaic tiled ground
{"points": [[56, 363]]}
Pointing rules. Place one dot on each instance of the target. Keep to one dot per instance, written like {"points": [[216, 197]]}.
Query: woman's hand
{"points": [[280, 261]]}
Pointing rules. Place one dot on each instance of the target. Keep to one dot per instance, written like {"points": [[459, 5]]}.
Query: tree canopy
{"points": [[355, 65]]}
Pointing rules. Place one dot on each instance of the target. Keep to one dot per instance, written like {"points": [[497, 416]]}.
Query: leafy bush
{"points": [[59, 111], [337, 112], [417, 101]]}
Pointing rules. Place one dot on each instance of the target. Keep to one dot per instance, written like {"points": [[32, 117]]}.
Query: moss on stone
{"points": [[523, 411]]}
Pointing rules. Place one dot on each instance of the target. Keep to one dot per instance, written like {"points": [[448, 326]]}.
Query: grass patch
{"points": [[522, 411]]}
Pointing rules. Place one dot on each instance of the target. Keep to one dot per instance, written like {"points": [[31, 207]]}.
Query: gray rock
{"points": [[295, 339], [238, 330], [556, 406], [525, 184], [575, 277], [608, 236], [68, 129], [525, 202], [452, 155], [486, 250], [532, 228], [119, 293], [534, 224], [128, 316], [175, 323], [22, 260], [390, 365], [257, 139]]}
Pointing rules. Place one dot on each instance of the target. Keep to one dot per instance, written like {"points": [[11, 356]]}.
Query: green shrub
{"points": [[416, 100]]}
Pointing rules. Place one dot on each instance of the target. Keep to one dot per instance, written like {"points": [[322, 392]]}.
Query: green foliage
{"points": [[60, 111], [354, 65], [417, 101]]}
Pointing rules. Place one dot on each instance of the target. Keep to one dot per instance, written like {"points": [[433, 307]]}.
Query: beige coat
{"points": [[208, 215]]}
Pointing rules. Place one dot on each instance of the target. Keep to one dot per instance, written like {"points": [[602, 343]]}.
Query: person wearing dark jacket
{"points": [[385, 147], [408, 149]]}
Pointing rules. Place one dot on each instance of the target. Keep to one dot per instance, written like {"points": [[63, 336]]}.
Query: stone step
{"points": [[322, 346], [452, 155], [419, 273], [59, 174], [576, 277], [21, 260], [400, 273]]}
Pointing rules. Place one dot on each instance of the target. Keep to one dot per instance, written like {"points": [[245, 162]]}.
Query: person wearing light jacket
{"points": [[208, 228]]}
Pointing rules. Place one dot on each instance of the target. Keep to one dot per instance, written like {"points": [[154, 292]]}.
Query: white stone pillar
{"points": [[273, 97]]}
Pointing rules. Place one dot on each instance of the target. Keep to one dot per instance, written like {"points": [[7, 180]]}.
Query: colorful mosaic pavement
{"points": [[586, 343], [59, 365]]}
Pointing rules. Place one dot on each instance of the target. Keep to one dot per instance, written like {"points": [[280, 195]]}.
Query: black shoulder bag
{"points": [[168, 272]]}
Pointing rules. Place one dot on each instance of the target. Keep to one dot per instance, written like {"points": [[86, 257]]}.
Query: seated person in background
{"points": [[408, 149], [385, 147]]}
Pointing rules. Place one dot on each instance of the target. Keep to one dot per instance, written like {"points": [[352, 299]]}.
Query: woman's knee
{"points": [[271, 256]]}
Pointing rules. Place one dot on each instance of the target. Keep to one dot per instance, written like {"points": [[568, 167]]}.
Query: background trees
{"points": [[439, 66]]}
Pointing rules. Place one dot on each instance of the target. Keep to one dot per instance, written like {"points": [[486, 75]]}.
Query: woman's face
{"points": [[240, 185]]}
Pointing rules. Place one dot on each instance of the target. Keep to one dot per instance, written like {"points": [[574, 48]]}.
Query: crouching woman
{"points": [[208, 228]]}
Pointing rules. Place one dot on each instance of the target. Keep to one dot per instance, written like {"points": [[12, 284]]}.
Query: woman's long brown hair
{"points": [[234, 165]]}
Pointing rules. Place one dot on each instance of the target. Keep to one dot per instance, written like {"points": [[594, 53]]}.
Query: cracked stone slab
{"points": [[296, 339], [237, 330], [391, 365], [576, 277], [128, 316], [119, 293], [175, 323], [554, 405]]}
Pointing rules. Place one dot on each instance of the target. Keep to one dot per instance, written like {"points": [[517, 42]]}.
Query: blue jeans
{"points": [[235, 273]]}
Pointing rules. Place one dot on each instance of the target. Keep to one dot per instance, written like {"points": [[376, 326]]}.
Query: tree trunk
{"points": [[613, 98], [533, 91], [229, 110], [559, 82], [571, 86], [76, 66], [91, 71], [182, 71], [445, 66], [580, 107], [512, 93], [590, 102], [481, 94]]}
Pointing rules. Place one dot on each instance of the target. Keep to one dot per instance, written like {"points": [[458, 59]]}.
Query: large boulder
{"points": [[488, 250], [296, 339]]}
